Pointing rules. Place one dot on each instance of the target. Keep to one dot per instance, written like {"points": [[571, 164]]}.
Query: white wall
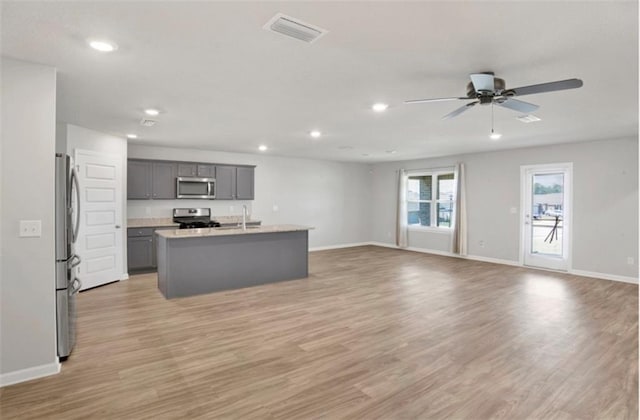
{"points": [[605, 206], [333, 197], [80, 138], [27, 288]]}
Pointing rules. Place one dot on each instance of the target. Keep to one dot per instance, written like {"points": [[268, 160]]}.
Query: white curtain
{"points": [[401, 222], [459, 245]]}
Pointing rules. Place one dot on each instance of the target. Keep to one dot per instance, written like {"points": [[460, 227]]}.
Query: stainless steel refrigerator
{"points": [[67, 217]]}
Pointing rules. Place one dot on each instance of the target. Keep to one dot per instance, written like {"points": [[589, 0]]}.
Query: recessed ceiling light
{"points": [[152, 112], [365, 154], [132, 136], [380, 107], [102, 45], [315, 134], [262, 148], [392, 152], [495, 136]]}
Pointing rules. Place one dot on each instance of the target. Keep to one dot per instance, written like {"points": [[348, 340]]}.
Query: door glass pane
{"points": [[419, 214], [546, 214]]}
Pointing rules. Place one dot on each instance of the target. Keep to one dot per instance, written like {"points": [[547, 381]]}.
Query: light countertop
{"points": [[195, 233]]}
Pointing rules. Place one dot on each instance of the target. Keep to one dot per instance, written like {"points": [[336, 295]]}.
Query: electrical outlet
{"points": [[514, 210], [275, 207], [481, 244], [30, 228], [630, 260], [230, 209], [147, 211]]}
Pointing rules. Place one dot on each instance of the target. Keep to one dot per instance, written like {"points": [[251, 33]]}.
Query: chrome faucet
{"points": [[244, 217]]}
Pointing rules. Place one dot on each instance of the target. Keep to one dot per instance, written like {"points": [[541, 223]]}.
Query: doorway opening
{"points": [[546, 215]]}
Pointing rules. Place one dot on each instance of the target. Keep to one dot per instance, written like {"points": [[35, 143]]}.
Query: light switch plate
{"points": [[30, 228]]}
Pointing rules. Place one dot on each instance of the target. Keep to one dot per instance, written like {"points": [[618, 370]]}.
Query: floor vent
{"points": [[286, 25]]}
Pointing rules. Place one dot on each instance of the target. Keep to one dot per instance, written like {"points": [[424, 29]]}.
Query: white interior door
{"points": [[546, 218], [99, 241]]}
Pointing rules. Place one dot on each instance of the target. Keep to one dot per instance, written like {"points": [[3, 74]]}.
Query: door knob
{"points": [[117, 226]]}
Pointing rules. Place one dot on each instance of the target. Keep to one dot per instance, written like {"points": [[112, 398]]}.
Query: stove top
{"points": [[197, 224], [194, 218]]}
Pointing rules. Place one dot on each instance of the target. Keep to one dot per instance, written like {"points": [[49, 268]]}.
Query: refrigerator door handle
{"points": [[76, 286], [76, 184], [74, 261]]}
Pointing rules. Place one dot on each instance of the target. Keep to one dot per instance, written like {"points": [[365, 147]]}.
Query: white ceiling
{"points": [[226, 84]]}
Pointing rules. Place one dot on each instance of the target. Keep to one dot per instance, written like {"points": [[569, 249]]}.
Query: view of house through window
{"points": [[431, 199]]}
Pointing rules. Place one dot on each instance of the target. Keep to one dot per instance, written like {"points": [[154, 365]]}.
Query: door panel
{"points": [[244, 183], [138, 180], [100, 242], [225, 182], [545, 226], [164, 180]]}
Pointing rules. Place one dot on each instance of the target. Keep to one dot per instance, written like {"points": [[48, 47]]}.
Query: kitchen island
{"points": [[197, 261]]}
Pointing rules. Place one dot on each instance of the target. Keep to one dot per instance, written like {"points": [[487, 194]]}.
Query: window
{"points": [[431, 199]]}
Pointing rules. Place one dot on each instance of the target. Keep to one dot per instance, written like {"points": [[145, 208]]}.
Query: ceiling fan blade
{"points": [[422, 101], [547, 87], [460, 110], [516, 105], [483, 82]]}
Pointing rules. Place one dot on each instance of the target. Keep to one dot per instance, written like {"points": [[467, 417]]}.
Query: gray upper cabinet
{"points": [[139, 179], [187, 169], [164, 180], [244, 183], [156, 179], [225, 182], [206, 171]]}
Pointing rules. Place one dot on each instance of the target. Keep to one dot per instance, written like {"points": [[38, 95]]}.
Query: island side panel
{"points": [[207, 264], [161, 253]]}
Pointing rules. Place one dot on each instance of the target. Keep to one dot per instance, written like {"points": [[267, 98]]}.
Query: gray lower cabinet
{"points": [[141, 248], [140, 253], [139, 173]]}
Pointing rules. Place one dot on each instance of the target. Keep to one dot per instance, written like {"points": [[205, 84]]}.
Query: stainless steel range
{"points": [[194, 218]]}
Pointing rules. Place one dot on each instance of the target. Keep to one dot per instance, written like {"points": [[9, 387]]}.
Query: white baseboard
{"points": [[125, 276], [493, 260], [592, 274], [596, 275], [29, 374], [351, 245]]}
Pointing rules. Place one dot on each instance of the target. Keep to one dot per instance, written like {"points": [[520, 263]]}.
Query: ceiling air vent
{"points": [[147, 123], [528, 118], [286, 25]]}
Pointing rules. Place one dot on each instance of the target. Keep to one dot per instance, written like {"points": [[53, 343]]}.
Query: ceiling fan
{"points": [[485, 89]]}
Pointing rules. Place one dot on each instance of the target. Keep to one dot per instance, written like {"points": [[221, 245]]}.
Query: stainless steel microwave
{"points": [[189, 187]]}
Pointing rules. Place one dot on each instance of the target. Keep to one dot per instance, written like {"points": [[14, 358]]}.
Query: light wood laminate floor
{"points": [[372, 333]]}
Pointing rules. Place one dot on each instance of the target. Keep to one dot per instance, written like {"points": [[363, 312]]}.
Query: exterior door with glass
{"points": [[546, 218]]}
